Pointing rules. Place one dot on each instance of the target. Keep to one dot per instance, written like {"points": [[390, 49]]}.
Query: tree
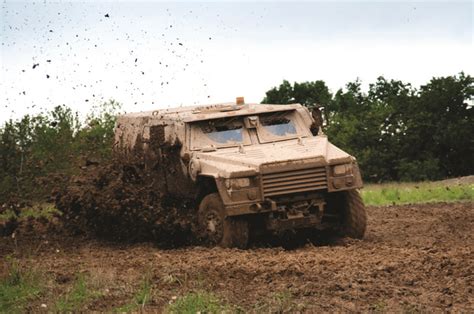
{"points": [[440, 126], [395, 131], [308, 94], [37, 152], [360, 123]]}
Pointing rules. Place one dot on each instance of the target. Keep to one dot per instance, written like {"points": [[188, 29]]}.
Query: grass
{"points": [[40, 211], [199, 302], [18, 288], [411, 193], [77, 297], [44, 210], [141, 297], [279, 302], [7, 215]]}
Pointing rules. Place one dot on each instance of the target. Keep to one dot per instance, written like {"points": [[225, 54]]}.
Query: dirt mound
{"points": [[118, 201]]}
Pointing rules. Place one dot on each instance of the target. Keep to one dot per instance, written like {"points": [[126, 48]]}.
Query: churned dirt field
{"points": [[414, 258]]}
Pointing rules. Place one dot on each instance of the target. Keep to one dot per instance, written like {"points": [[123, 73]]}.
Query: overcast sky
{"points": [[158, 54]]}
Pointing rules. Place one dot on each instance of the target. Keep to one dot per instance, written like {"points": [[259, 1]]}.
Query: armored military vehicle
{"points": [[249, 168]]}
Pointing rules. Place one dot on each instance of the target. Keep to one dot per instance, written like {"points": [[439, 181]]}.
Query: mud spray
{"points": [[122, 201]]}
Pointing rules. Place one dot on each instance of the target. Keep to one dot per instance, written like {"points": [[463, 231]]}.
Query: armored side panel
{"points": [[157, 141], [139, 133]]}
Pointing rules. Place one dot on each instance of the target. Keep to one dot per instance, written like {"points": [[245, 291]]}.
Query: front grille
{"points": [[294, 181]]}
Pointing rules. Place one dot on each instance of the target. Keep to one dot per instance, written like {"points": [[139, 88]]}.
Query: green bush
{"points": [[38, 152]]}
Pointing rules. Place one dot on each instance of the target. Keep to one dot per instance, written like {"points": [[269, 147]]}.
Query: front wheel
{"points": [[348, 209], [354, 216], [216, 228]]}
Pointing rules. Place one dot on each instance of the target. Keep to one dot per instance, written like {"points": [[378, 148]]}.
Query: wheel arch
{"points": [[206, 185]]}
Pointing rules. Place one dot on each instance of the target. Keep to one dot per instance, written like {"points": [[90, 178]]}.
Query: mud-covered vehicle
{"points": [[250, 168]]}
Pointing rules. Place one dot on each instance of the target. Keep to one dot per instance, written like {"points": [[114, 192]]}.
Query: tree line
{"points": [[397, 132], [39, 152]]}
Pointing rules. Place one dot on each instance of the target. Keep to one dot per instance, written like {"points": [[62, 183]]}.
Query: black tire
{"points": [[215, 228], [354, 216]]}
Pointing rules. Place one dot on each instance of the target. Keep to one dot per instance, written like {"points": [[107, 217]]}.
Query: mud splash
{"points": [[122, 201]]}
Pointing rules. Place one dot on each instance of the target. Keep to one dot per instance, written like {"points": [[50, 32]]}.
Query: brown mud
{"points": [[122, 201], [413, 258]]}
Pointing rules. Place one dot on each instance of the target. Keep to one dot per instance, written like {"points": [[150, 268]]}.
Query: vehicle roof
{"points": [[213, 111]]}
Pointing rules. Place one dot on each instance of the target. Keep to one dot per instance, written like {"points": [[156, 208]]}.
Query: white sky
{"points": [[195, 53]]}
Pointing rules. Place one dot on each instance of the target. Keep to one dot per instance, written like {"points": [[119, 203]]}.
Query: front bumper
{"points": [[253, 208], [289, 183], [282, 224]]}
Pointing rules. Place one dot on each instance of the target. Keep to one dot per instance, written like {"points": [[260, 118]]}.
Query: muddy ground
{"points": [[414, 258]]}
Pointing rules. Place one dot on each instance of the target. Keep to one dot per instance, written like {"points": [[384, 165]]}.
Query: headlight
{"points": [[342, 170], [237, 183]]}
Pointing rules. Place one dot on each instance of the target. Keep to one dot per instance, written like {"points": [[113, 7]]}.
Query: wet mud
{"points": [[414, 258], [124, 201]]}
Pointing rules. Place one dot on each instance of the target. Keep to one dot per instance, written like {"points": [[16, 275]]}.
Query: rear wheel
{"points": [[218, 229]]}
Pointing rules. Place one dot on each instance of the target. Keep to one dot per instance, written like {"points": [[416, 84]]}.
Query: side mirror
{"points": [[317, 114]]}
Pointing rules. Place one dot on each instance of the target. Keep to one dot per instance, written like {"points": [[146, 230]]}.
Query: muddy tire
{"points": [[354, 216], [217, 229]]}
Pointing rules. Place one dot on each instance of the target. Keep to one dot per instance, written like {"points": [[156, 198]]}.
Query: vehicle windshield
{"points": [[277, 126], [219, 133], [223, 134]]}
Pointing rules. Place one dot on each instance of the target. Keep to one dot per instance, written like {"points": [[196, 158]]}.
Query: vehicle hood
{"points": [[246, 161]]}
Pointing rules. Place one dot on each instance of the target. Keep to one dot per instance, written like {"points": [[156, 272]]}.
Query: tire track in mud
{"points": [[414, 258]]}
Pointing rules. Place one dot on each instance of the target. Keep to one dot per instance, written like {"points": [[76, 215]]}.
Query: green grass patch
{"points": [[45, 210], [8, 215], [141, 297], [202, 302], [18, 287], [77, 297], [279, 302], [410, 193]]}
